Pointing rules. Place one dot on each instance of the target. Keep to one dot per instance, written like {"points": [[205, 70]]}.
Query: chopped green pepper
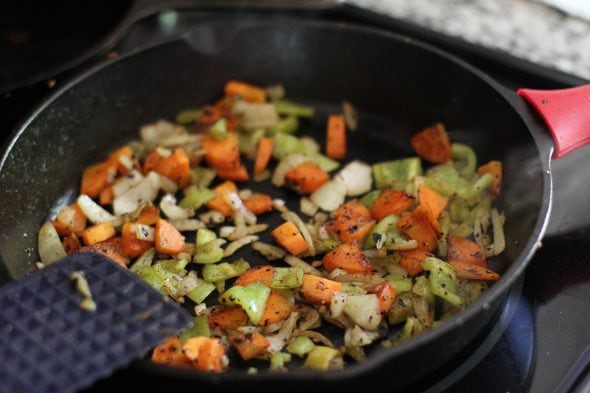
{"points": [[286, 144], [144, 261], [287, 125], [300, 346], [319, 357], [383, 228], [422, 288], [278, 360], [223, 271], [200, 293], [195, 198], [199, 328], [252, 298], [385, 173], [401, 284], [442, 280], [288, 107], [369, 198], [201, 176], [219, 129], [286, 277], [207, 247], [466, 154]]}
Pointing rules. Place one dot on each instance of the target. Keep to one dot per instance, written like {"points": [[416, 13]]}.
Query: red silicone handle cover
{"points": [[567, 114]]}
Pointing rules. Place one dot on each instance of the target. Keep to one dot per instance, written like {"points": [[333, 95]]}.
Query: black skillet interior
{"points": [[398, 86]]}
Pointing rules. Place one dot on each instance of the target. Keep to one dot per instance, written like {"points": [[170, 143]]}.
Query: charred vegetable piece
{"points": [[252, 298], [443, 280]]}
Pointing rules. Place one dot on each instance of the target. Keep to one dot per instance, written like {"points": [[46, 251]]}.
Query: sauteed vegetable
{"points": [[380, 250]]}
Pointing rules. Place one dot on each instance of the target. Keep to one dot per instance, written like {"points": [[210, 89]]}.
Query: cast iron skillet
{"points": [[399, 85]]}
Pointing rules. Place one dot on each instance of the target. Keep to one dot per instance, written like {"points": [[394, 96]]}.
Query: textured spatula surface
{"points": [[49, 344]]}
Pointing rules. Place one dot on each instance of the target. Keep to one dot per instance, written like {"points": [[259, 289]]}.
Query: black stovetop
{"points": [[543, 329]]}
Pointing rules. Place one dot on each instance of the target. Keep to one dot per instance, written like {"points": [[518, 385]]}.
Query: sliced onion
{"points": [[93, 211], [145, 232], [187, 224], [145, 190], [356, 176], [295, 219], [269, 251], [498, 231], [49, 244], [307, 207], [125, 183], [307, 268], [168, 185], [172, 210], [329, 196], [350, 115], [235, 245], [258, 115], [337, 304], [363, 310]]}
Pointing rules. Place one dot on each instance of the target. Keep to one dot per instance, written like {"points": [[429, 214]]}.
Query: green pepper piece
{"points": [[219, 129], [300, 346], [319, 357], [286, 144], [324, 162], [465, 153], [223, 271], [175, 266], [196, 198], [199, 328], [202, 177], [412, 327], [287, 125], [385, 173], [252, 298], [153, 278], [369, 198], [248, 142], [208, 253], [445, 180], [286, 277], [144, 261], [188, 116], [422, 288], [401, 284], [442, 280], [482, 184], [383, 228], [200, 293], [278, 360], [288, 107]]}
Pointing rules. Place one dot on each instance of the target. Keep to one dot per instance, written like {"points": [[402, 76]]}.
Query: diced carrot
{"points": [[434, 204], [170, 353], [168, 239], [258, 274], [386, 294], [432, 144], [352, 222], [71, 244], [247, 91], [98, 233], [263, 155], [211, 114], [238, 174], [417, 226], [222, 154], [391, 202], [278, 308], [70, 219], [474, 272], [258, 203], [336, 137], [132, 246], [96, 177], [318, 289], [348, 257], [219, 203], [115, 159], [111, 248], [149, 215], [287, 235], [211, 355], [106, 196], [176, 167], [192, 346], [306, 177], [495, 168], [249, 345], [151, 161], [465, 251], [228, 318], [411, 260]]}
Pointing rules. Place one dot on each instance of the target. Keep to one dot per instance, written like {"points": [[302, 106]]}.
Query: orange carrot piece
{"points": [[238, 174], [168, 239], [306, 177], [247, 91], [349, 257], [465, 251], [474, 272], [219, 203], [386, 294], [263, 155], [98, 233], [222, 154], [170, 353], [434, 204], [114, 159], [411, 260], [132, 246], [258, 274], [336, 137], [495, 168], [211, 355], [287, 235], [96, 177], [176, 167], [258, 203], [151, 161], [111, 248], [228, 318], [70, 219], [318, 289], [278, 308], [391, 202], [71, 244], [106, 196], [432, 144], [417, 226], [249, 345], [352, 222], [149, 215]]}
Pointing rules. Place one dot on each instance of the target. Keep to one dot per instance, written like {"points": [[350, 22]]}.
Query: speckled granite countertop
{"points": [[528, 29]]}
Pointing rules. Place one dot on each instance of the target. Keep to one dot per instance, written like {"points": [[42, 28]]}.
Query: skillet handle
{"points": [[567, 114]]}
